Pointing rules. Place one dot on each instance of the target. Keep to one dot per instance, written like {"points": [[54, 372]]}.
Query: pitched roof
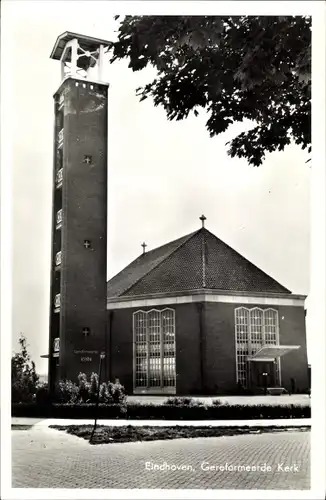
{"points": [[196, 261], [141, 266]]}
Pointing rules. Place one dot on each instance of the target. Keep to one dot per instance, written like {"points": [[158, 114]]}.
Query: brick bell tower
{"points": [[79, 218]]}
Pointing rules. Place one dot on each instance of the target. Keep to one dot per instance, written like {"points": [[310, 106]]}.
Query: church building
{"points": [[190, 317], [195, 317]]}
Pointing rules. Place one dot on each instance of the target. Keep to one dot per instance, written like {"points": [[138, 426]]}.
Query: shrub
{"points": [[112, 393], [183, 401], [197, 402], [163, 412], [24, 379], [83, 388], [177, 401], [42, 395], [140, 411], [86, 391], [93, 388], [66, 391]]}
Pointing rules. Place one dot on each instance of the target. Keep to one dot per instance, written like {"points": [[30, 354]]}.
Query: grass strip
{"points": [[130, 433]]}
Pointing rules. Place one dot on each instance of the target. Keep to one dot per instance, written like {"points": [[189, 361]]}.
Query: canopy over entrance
{"points": [[270, 352]]}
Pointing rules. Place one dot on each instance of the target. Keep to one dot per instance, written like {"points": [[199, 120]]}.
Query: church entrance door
{"points": [[262, 374]]}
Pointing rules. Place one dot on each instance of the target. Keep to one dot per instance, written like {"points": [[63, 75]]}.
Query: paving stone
{"points": [[47, 458]]}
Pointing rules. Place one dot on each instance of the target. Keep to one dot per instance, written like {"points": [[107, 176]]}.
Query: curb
{"points": [[44, 423]]}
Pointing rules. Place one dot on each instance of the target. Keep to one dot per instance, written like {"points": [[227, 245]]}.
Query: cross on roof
{"points": [[202, 218], [87, 243], [144, 247], [86, 331], [87, 159]]}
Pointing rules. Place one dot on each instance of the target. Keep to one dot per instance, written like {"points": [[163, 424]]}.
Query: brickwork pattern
{"points": [[46, 458], [187, 347], [220, 360], [84, 202], [218, 333], [293, 332]]}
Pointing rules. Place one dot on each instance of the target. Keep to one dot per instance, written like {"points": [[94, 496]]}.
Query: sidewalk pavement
{"points": [[292, 422], [47, 458]]}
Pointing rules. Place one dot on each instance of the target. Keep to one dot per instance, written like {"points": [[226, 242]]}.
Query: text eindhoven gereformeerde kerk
{"points": [[207, 467]]}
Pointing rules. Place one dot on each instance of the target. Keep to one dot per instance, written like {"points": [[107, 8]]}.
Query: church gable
{"points": [[197, 261]]}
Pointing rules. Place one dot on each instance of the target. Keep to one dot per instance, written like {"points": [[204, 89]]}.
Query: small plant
{"points": [[87, 390], [93, 388], [103, 392], [177, 401], [217, 402], [83, 388], [112, 393], [66, 391], [42, 395], [182, 401]]}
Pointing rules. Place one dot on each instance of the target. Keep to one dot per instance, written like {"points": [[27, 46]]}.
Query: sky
{"points": [[161, 175]]}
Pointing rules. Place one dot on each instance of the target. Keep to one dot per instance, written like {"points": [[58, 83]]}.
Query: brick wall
{"points": [[293, 332], [187, 347], [120, 362], [220, 362], [220, 359], [218, 347], [84, 204]]}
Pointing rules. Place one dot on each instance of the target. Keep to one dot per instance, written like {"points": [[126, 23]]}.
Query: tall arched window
{"points": [[242, 344], [253, 329], [271, 335], [271, 326], [140, 332], [154, 349], [168, 332], [154, 333], [256, 327]]}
